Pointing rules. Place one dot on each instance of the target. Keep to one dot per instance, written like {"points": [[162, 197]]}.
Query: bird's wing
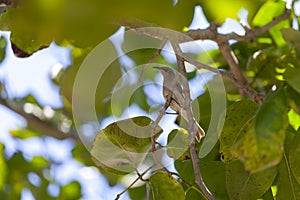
{"points": [[178, 95]]}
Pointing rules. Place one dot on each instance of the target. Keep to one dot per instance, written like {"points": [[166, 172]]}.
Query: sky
{"points": [[33, 76]]}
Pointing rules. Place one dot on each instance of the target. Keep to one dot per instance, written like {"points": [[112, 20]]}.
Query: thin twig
{"points": [[157, 53], [140, 177], [157, 120], [197, 172], [193, 152]]}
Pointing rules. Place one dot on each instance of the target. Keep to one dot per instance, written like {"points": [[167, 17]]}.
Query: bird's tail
{"points": [[198, 130]]}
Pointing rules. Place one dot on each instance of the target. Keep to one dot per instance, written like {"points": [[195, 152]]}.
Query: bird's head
{"points": [[166, 71]]}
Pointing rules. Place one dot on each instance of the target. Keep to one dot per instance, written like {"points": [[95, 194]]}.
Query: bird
{"points": [[177, 102]]}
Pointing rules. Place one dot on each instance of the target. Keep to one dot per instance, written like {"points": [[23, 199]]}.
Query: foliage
{"points": [[256, 151]]}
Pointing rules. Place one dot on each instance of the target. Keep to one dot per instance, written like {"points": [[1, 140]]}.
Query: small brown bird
{"points": [[178, 99]]}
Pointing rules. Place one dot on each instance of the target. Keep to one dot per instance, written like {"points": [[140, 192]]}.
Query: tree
{"points": [[249, 109]]}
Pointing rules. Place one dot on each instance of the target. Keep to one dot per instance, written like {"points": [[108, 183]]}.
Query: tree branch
{"points": [[199, 34], [39, 125], [232, 62], [257, 97], [157, 120], [210, 34], [252, 34], [187, 107], [240, 79], [140, 177]]}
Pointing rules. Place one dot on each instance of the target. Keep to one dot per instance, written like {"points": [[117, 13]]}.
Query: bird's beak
{"points": [[156, 67]]}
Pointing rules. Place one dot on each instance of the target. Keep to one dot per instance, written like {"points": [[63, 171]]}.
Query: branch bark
{"points": [[201, 34], [210, 34], [39, 125], [187, 107]]}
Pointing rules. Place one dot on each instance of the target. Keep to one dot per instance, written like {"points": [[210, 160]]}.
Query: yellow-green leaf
{"points": [[220, 9], [268, 11], [261, 147], [294, 158], [238, 118], [2, 48], [288, 187], [213, 173], [123, 145], [3, 167], [266, 14], [292, 77], [294, 119], [293, 99], [244, 185], [165, 187], [178, 144]]}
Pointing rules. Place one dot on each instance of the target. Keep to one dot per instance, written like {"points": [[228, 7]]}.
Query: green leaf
{"points": [[288, 188], [123, 145], [193, 193], [23, 133], [164, 186], [276, 34], [220, 9], [294, 119], [178, 145], [213, 173], [271, 117], [3, 44], [39, 162], [140, 48], [3, 167], [292, 77], [126, 93], [37, 23], [294, 99], [70, 191], [268, 11], [18, 160], [139, 97], [239, 116], [204, 103], [185, 169], [138, 193], [162, 13], [294, 158], [243, 185], [262, 145], [291, 35], [268, 195], [266, 14], [91, 70]]}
